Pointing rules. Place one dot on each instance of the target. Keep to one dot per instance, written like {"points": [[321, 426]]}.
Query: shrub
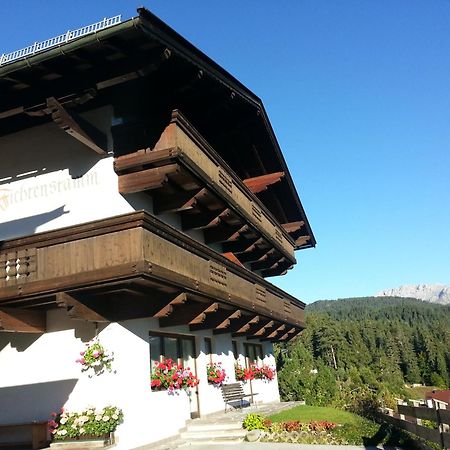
{"points": [[216, 375], [171, 376], [88, 423], [255, 422]]}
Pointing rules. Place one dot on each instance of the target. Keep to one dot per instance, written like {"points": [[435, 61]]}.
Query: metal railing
{"points": [[37, 47]]}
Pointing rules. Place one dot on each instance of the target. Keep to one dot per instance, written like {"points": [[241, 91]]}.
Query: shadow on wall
{"points": [[29, 402], [28, 225], [19, 341], [37, 156]]}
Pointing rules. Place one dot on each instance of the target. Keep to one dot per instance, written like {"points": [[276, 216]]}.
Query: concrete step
{"points": [[212, 426], [216, 434], [210, 441]]}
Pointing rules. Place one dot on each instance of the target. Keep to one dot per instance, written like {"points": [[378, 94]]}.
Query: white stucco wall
{"points": [[56, 182], [39, 375]]}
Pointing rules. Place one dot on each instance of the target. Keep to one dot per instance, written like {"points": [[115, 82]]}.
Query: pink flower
{"points": [[95, 353], [82, 353]]}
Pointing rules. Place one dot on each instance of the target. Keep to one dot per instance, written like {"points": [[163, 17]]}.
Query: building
{"points": [[144, 199], [439, 399]]}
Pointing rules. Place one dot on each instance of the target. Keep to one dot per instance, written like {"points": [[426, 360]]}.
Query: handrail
{"points": [[37, 47]]}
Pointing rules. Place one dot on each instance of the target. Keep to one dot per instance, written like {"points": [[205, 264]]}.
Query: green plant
{"points": [[95, 359], [255, 422], [88, 423], [171, 376]]}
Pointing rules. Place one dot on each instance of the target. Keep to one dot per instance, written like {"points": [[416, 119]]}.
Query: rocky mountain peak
{"points": [[434, 293]]}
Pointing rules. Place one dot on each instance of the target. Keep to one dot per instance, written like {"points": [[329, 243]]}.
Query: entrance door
{"points": [[188, 356], [253, 356]]}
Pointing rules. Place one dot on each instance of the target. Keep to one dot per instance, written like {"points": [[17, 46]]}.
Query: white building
{"points": [[119, 219]]}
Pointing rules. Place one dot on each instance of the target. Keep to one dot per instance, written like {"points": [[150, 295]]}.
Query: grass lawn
{"points": [[418, 393], [305, 413]]}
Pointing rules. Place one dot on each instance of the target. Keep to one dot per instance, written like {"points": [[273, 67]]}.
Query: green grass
{"points": [[311, 413], [418, 393]]}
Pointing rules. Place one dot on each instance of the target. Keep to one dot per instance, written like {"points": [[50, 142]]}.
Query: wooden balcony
{"points": [[134, 266], [184, 175]]}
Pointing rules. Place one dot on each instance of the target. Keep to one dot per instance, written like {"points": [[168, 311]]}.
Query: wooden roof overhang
{"points": [[133, 266], [145, 70], [184, 174]]}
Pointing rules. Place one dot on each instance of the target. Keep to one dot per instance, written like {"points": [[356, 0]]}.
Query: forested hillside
{"points": [[360, 350]]}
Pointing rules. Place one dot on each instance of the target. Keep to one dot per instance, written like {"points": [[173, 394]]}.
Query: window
{"points": [[253, 352], [181, 349], [208, 349]]}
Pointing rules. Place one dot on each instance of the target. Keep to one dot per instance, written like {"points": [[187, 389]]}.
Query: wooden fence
{"points": [[409, 418]]}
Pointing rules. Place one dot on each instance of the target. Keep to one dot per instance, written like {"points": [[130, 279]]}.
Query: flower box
{"points": [[84, 442]]}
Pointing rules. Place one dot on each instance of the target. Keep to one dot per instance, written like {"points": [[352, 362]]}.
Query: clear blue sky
{"points": [[358, 92]]}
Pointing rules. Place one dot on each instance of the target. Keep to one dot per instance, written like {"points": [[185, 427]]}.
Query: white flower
{"points": [[63, 420], [61, 432], [115, 416], [105, 418], [82, 430], [98, 417]]}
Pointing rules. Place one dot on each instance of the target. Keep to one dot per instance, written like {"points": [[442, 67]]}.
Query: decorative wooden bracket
{"points": [[239, 326], [76, 309], [221, 319], [144, 180], [181, 201], [293, 227], [77, 127], [264, 331], [169, 308], [22, 320], [192, 313], [274, 335], [290, 333], [261, 183]]}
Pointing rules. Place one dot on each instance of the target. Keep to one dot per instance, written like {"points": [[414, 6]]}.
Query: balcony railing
{"points": [[134, 266], [71, 35]]}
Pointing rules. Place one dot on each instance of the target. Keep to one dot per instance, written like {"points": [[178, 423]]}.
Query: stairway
{"points": [[206, 432]]}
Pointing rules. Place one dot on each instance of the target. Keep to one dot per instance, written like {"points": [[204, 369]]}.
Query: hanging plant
{"points": [[95, 359]]}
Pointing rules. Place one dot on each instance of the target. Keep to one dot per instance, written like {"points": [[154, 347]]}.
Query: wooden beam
{"points": [[221, 319], [182, 201], [204, 219], [292, 227], [146, 179], [22, 320], [203, 315], [223, 233], [302, 240], [232, 257], [265, 331], [274, 335], [268, 263], [78, 128], [76, 309], [288, 334], [256, 328], [294, 335], [261, 183], [239, 326], [168, 309], [132, 162], [260, 254], [194, 312]]}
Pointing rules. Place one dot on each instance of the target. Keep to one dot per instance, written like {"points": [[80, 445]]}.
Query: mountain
{"points": [[434, 293]]}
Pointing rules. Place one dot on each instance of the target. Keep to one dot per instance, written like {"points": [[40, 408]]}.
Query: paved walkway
{"points": [[280, 446]]}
